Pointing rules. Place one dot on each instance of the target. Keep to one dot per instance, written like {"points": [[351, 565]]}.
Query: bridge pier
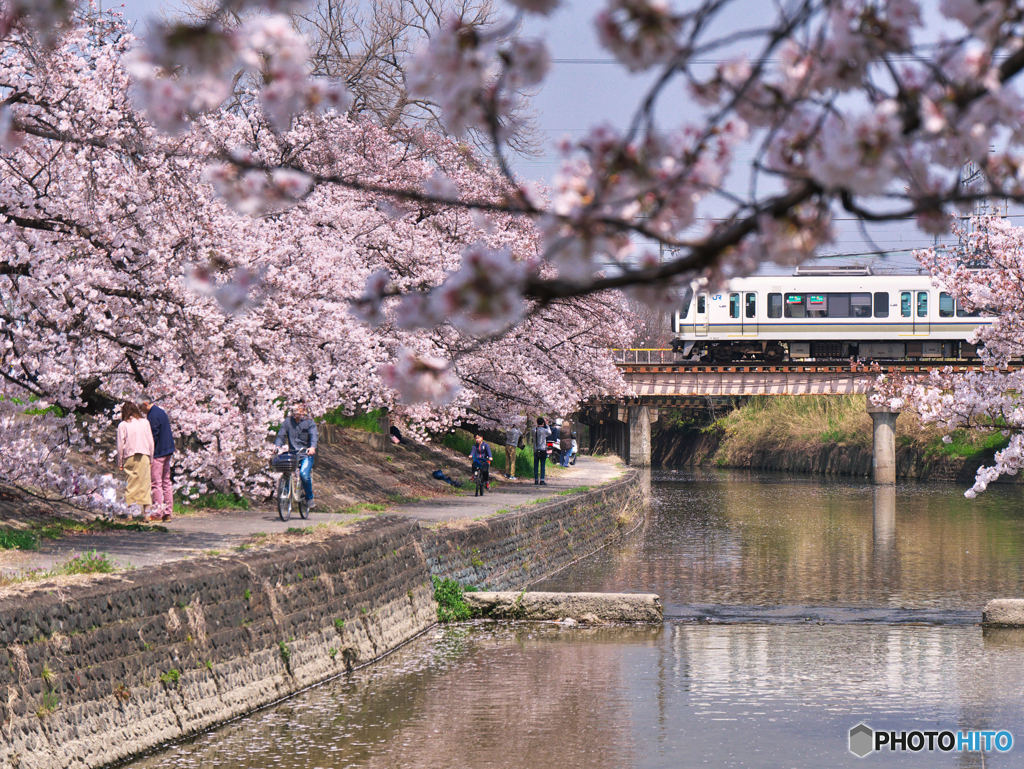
{"points": [[883, 444], [639, 437]]}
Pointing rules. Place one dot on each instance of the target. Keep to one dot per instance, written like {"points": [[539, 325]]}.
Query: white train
{"points": [[825, 314]]}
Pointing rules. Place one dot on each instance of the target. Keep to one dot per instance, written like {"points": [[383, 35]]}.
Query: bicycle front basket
{"points": [[284, 463]]}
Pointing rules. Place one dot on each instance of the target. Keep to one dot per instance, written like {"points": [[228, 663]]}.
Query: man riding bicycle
{"points": [[299, 430], [481, 456]]}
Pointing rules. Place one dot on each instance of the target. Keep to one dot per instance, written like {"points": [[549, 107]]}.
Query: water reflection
{"points": [[728, 538], [675, 695]]}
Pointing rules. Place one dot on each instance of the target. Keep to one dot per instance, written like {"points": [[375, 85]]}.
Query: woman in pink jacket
{"points": [[134, 455]]}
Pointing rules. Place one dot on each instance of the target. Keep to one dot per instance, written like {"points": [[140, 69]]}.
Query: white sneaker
{"points": [[511, 477]]}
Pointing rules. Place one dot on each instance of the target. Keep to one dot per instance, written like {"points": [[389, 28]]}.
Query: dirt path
{"points": [[218, 531]]}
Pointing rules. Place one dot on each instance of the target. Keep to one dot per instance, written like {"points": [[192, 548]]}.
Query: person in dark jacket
{"points": [[299, 432], [481, 456], [160, 468]]}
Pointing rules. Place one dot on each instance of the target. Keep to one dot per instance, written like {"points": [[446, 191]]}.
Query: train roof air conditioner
{"points": [[824, 270]]}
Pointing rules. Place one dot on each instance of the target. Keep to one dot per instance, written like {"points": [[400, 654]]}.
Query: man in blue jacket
{"points": [[299, 430], [160, 468]]}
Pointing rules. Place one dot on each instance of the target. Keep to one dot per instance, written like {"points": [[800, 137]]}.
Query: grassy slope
{"points": [[807, 423]]}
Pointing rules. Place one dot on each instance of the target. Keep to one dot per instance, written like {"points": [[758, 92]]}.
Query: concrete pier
{"points": [[639, 437], [592, 608], [883, 444]]}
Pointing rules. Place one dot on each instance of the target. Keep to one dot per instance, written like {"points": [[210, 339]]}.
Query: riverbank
{"points": [[828, 435], [97, 670]]}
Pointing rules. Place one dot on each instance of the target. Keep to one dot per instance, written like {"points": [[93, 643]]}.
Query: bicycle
{"points": [[289, 486], [480, 477]]}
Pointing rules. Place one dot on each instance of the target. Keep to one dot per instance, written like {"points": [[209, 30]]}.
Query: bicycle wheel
{"points": [[284, 497], [299, 495]]}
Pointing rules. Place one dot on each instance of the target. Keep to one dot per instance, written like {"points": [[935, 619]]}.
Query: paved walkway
{"points": [[221, 531]]}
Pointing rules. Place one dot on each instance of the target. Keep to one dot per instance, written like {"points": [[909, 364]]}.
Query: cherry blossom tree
{"points": [[988, 399], [136, 259]]}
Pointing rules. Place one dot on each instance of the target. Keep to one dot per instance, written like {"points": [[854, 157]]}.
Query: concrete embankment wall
{"points": [[680, 448], [94, 674]]}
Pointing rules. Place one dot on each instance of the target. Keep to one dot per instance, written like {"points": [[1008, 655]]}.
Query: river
{"points": [[796, 608]]}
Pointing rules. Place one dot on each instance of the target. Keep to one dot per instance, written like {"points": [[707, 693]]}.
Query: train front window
{"points": [[922, 304], [905, 300], [795, 307], [945, 305], [860, 305], [774, 305], [734, 305], [750, 307], [882, 304]]}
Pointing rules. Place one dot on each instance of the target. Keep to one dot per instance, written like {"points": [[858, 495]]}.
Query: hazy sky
{"points": [[585, 87]]}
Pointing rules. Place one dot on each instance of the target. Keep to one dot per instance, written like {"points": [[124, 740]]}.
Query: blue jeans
{"points": [[306, 474], [540, 460]]}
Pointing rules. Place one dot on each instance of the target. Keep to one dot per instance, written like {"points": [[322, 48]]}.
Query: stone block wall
{"points": [[93, 674]]}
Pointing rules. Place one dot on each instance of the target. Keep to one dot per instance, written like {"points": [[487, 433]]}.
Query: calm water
{"points": [[797, 609]]}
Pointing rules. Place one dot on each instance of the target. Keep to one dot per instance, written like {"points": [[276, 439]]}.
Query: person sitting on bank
{"points": [[481, 456], [299, 431]]}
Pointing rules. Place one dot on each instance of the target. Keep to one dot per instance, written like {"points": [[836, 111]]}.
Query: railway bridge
{"points": [[660, 380]]}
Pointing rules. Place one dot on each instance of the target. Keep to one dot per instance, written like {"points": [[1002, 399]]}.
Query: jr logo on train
{"points": [[825, 314]]}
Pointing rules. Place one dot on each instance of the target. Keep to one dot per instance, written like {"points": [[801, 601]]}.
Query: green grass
{"points": [[57, 528], [13, 539], [451, 606], [218, 500], [574, 490], [368, 422], [966, 443], [91, 562]]}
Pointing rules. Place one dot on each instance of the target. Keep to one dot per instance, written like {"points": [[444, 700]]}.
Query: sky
{"points": [[585, 87]]}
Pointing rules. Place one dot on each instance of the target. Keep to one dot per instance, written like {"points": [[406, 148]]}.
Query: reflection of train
{"points": [[825, 314]]}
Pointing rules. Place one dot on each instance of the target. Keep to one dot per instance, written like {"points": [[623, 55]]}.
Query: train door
{"points": [[922, 324], [749, 327], [700, 316]]}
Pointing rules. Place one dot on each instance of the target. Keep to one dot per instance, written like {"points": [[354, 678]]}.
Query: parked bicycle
{"points": [[290, 493]]}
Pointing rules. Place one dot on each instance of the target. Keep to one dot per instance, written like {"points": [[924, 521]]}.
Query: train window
{"points": [[860, 305], [922, 304], [905, 304], [945, 305], [882, 304], [774, 305], [962, 313], [734, 305], [838, 306], [702, 304], [816, 306], [795, 306], [751, 306]]}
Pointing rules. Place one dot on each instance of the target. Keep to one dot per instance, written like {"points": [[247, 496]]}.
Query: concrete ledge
{"points": [[582, 607], [1004, 612]]}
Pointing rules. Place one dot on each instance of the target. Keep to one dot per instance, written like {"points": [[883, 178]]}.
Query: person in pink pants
{"points": [[160, 468]]}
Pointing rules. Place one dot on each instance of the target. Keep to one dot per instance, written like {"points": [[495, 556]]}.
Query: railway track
{"points": [[814, 367]]}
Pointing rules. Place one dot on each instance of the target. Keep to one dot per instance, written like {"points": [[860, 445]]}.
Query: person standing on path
{"points": [[512, 436], [134, 453], [565, 441], [299, 431], [160, 470], [539, 439]]}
